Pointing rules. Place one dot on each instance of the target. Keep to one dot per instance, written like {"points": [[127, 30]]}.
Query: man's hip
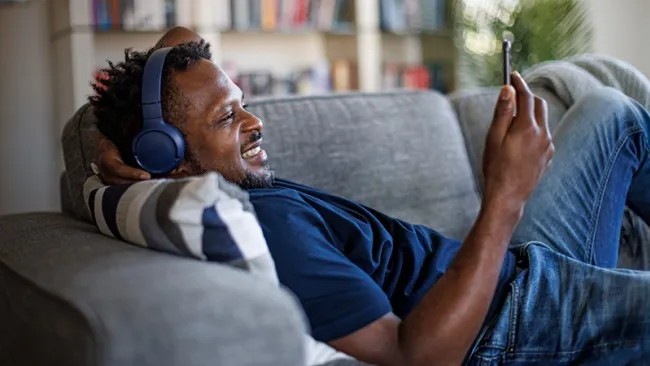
{"points": [[563, 311]]}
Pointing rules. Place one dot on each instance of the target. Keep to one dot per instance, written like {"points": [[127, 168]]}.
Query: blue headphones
{"points": [[160, 146]]}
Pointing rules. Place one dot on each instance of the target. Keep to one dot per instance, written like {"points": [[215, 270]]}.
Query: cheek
{"points": [[227, 147], [221, 150]]}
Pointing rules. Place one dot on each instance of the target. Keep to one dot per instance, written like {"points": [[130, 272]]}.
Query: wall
{"points": [[620, 29], [29, 143]]}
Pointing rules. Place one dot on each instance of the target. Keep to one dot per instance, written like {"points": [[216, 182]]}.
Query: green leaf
{"points": [[543, 30]]}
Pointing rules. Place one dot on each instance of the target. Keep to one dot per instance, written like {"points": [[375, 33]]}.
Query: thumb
{"points": [[503, 113]]}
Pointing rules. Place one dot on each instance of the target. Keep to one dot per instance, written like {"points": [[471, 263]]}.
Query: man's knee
{"points": [[607, 104], [606, 98], [604, 114]]}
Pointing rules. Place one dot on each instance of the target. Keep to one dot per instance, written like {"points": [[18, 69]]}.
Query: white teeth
{"points": [[252, 152]]}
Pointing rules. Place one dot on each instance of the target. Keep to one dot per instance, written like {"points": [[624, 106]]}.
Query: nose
{"points": [[251, 122]]}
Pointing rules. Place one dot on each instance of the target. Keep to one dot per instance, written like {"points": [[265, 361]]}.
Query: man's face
{"points": [[222, 136]]}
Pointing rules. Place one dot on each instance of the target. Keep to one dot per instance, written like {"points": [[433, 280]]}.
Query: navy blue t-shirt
{"points": [[348, 264]]}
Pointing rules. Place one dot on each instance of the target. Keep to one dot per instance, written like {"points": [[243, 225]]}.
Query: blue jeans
{"points": [[569, 304]]}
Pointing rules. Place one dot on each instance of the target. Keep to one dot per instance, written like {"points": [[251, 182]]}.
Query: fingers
{"points": [[113, 170], [112, 180], [541, 116], [123, 171], [503, 114], [525, 98], [541, 113]]}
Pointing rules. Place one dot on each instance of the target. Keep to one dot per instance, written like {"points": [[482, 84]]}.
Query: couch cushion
{"points": [[71, 296], [399, 152], [475, 108]]}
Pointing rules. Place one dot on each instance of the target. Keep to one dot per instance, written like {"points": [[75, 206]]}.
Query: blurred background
{"points": [[50, 50]]}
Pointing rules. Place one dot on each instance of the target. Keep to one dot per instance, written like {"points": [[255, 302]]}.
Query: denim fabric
{"points": [[569, 304]]}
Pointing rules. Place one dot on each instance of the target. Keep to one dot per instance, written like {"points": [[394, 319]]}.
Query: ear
{"points": [[182, 171]]}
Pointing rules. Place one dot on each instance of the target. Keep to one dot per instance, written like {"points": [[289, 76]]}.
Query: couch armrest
{"points": [[71, 296]]}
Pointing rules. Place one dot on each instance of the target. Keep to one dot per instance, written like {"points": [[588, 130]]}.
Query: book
{"points": [[320, 78], [134, 15], [269, 14], [412, 15], [427, 76]]}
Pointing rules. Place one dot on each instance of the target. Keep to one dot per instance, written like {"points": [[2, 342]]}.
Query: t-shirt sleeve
{"points": [[337, 296]]}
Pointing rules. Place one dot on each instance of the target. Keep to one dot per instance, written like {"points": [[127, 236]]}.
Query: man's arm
{"points": [[442, 327]]}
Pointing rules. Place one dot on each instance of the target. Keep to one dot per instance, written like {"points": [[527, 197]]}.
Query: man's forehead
{"points": [[207, 80], [210, 91]]}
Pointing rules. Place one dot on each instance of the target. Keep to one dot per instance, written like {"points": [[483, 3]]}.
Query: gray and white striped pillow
{"points": [[204, 217]]}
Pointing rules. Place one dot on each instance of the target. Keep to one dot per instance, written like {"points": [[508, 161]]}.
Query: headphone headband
{"points": [[151, 86], [159, 147]]}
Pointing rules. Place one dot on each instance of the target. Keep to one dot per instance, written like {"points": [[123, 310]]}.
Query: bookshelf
{"points": [[289, 46]]}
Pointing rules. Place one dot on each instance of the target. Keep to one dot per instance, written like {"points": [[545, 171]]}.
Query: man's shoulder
{"points": [[281, 193], [283, 211]]}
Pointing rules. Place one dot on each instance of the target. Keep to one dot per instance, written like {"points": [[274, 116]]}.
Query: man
{"points": [[534, 281]]}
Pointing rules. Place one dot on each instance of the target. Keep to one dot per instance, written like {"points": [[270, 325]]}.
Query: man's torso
{"points": [[316, 240]]}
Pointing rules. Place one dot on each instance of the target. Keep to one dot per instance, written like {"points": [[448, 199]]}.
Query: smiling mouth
{"points": [[251, 153]]}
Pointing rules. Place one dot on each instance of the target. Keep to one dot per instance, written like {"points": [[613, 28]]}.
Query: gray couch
{"points": [[70, 296]]}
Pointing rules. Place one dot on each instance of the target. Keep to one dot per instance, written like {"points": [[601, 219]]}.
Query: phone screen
{"points": [[506, 61]]}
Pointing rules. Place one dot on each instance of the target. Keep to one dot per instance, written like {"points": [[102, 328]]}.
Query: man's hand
{"points": [[112, 168], [518, 150]]}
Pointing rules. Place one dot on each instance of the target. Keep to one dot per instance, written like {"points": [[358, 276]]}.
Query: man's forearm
{"points": [[443, 326]]}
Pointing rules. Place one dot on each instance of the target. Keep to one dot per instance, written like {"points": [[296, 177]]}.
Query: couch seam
{"points": [[466, 145], [81, 117], [84, 162]]}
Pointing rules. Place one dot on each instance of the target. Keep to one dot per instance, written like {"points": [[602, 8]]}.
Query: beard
{"points": [[264, 180], [251, 180]]}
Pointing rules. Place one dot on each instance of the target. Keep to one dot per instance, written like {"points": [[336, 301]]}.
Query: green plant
{"points": [[542, 30]]}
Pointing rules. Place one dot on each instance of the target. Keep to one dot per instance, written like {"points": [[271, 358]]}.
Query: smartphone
{"points": [[505, 51]]}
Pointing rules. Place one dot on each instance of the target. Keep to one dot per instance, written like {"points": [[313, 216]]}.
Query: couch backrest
{"points": [[399, 152], [79, 142]]}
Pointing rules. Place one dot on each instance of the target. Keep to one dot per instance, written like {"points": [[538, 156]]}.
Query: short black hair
{"points": [[117, 99]]}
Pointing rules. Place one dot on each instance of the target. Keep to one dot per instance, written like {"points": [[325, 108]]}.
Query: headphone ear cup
{"points": [[159, 150]]}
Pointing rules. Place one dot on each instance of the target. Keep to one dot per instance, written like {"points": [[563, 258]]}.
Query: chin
{"points": [[262, 178]]}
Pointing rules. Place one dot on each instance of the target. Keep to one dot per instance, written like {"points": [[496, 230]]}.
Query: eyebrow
{"points": [[216, 107]]}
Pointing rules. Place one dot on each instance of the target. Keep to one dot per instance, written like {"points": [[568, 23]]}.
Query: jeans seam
{"points": [[602, 188], [581, 350], [640, 126], [514, 314], [479, 339]]}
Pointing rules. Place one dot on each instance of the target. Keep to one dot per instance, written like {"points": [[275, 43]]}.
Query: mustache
{"points": [[254, 137]]}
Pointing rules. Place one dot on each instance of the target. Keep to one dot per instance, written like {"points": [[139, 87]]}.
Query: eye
{"points": [[225, 119], [245, 106], [228, 116]]}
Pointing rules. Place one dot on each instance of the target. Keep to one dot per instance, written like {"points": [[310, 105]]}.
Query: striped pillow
{"points": [[204, 217]]}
